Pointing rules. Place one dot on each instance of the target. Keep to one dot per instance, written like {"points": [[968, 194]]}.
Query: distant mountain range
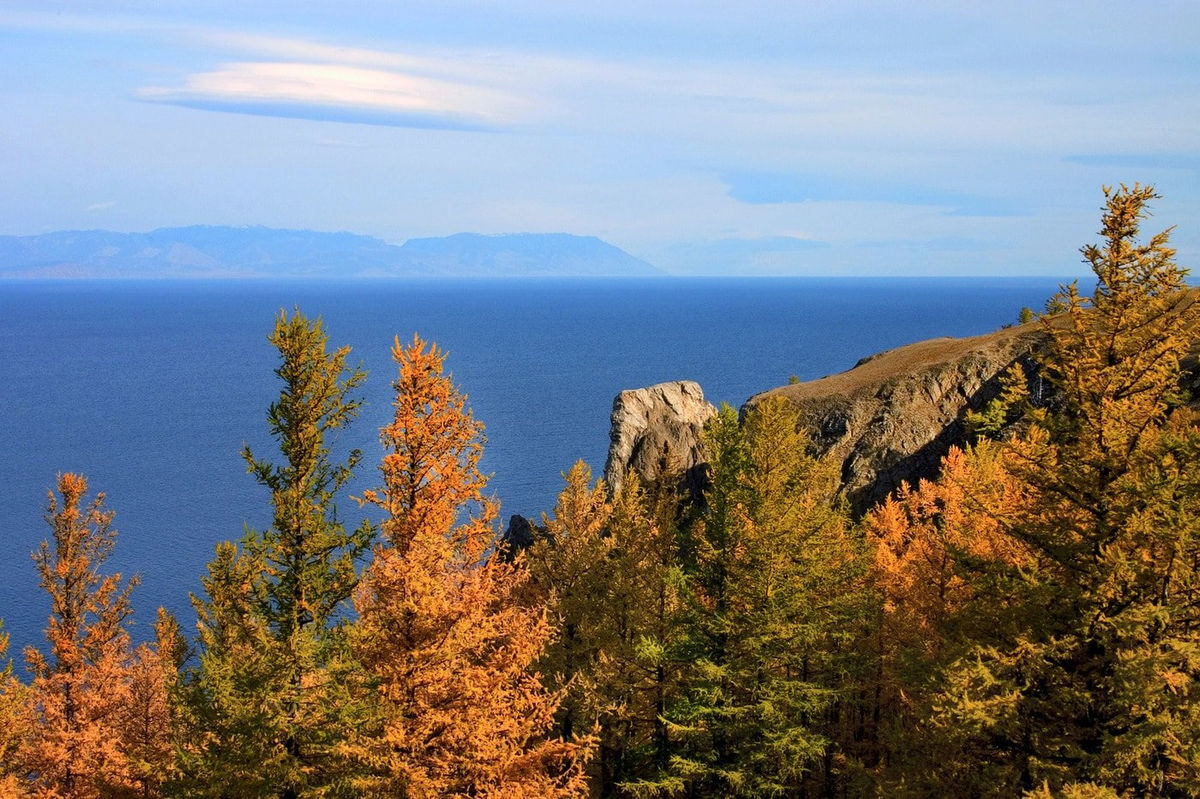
{"points": [[224, 252]]}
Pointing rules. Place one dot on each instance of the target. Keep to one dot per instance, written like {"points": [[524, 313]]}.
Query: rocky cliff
{"points": [[656, 431], [894, 415], [888, 420]]}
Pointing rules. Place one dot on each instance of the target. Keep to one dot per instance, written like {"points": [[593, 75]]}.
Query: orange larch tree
{"points": [[73, 748], [920, 537], [12, 718], [145, 719], [447, 645], [927, 544]]}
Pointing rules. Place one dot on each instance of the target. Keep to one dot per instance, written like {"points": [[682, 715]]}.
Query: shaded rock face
{"points": [[656, 432], [519, 535], [893, 416]]}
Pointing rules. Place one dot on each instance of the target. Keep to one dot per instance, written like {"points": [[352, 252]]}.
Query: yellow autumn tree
{"points": [[12, 723], [446, 645], [1084, 663], [569, 562], [609, 571], [73, 748]]}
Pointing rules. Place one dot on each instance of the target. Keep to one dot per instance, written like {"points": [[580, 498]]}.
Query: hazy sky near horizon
{"points": [[756, 137]]}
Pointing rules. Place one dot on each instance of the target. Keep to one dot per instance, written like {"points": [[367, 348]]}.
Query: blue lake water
{"points": [[150, 389]]}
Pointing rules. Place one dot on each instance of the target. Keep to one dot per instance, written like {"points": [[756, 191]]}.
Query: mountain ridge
{"points": [[216, 251]]}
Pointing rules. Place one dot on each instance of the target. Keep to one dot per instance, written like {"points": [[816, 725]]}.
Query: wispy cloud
{"points": [[342, 92], [301, 78], [102, 206]]}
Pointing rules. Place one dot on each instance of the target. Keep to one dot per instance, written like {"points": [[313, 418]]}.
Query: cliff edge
{"points": [[888, 420], [894, 415]]}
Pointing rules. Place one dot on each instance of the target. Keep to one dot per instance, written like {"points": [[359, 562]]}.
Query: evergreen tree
{"points": [[1091, 669], [770, 563], [228, 742], [271, 629], [446, 642]]}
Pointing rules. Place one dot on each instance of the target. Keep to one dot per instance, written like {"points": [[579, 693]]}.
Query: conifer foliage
{"points": [[1083, 665], [608, 571], [446, 643], [12, 723], [1106, 686], [264, 707], [1028, 623], [74, 744], [770, 572]]}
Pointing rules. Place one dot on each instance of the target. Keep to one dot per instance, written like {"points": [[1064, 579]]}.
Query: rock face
{"points": [[888, 420], [656, 431], [520, 532], [894, 415]]}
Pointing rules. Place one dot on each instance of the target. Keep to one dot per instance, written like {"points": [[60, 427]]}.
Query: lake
{"points": [[150, 388]]}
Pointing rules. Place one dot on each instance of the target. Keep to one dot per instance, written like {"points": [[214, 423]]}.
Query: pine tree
{"points": [[73, 748], [1091, 671], [447, 644], [770, 563], [609, 570], [272, 628]]}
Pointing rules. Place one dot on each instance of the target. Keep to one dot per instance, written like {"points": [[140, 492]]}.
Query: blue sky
{"points": [[717, 138]]}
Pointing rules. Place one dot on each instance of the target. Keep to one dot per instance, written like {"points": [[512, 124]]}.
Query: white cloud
{"points": [[259, 85], [102, 206]]}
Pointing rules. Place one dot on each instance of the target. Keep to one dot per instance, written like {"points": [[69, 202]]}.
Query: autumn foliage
{"points": [[1026, 623], [442, 635], [96, 722]]}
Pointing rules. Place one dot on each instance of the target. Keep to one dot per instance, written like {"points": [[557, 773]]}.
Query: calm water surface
{"points": [[150, 389]]}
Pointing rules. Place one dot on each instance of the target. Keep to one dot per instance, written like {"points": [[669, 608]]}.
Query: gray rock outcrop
{"points": [[893, 416], [656, 432], [520, 533], [888, 420]]}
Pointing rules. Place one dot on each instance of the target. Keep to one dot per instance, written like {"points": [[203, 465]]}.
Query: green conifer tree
{"points": [[1089, 667], [609, 571], [569, 562], [769, 562], [272, 638]]}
